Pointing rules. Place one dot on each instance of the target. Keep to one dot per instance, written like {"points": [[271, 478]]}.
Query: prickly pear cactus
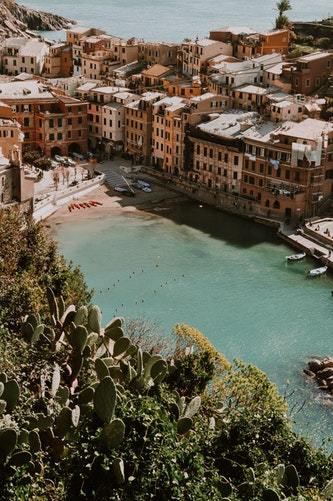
{"points": [[105, 399]]}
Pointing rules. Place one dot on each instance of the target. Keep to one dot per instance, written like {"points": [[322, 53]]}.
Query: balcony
{"points": [[283, 189]]}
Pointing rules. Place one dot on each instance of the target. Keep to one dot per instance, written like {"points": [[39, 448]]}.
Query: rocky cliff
{"points": [[17, 20]]}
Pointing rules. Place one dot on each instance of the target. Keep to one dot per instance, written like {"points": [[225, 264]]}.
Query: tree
{"points": [[282, 20], [29, 262]]}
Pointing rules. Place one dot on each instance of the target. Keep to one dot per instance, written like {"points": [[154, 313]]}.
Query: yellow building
{"points": [[171, 117]]}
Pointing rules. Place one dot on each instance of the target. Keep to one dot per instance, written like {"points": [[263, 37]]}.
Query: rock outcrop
{"points": [[321, 370], [18, 20]]}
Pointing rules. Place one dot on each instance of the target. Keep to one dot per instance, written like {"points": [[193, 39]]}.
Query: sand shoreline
{"points": [[143, 203]]}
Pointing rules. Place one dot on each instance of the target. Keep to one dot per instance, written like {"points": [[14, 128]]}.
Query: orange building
{"points": [[187, 88], [51, 123], [59, 61]]}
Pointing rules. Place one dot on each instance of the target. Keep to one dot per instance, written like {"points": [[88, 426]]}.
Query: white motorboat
{"points": [[317, 272], [296, 257]]}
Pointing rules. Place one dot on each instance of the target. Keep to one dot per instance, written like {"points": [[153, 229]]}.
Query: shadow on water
{"points": [[220, 225]]}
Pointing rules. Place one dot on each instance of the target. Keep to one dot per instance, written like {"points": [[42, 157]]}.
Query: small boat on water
{"points": [[296, 257], [317, 272]]}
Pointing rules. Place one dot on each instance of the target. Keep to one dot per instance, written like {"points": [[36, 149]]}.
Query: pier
{"points": [[314, 238]]}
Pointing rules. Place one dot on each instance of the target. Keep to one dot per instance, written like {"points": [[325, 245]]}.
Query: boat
{"points": [[83, 206], [317, 272], [296, 257], [77, 206]]}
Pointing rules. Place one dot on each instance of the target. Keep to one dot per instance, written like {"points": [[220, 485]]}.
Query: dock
{"points": [[314, 238]]}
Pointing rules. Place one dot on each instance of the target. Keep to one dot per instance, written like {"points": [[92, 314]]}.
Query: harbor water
{"points": [[224, 275]]}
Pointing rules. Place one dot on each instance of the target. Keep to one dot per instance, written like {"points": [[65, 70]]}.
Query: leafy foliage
{"points": [[29, 262], [87, 412]]}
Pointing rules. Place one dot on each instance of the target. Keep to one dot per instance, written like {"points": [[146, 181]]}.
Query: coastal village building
{"points": [[22, 55], [260, 44], [217, 152], [75, 38], [138, 127], [59, 61], [113, 121], [278, 75], [97, 98], [153, 77], [171, 117], [228, 75], [311, 72], [194, 55], [165, 54], [174, 85], [52, 124], [278, 170], [15, 186], [102, 54], [247, 43]]}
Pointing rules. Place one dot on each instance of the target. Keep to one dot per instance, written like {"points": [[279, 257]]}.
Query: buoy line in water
{"points": [[133, 274]]}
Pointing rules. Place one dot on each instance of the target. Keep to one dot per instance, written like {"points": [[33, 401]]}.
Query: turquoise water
{"points": [[224, 275], [174, 20]]}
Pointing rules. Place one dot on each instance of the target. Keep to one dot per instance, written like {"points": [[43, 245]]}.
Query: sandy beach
{"points": [[160, 199]]}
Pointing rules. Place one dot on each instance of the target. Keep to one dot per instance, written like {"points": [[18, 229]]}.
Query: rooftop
{"points": [[156, 70], [309, 128], [229, 124], [110, 90], [205, 42], [314, 56], [33, 48], [203, 97], [253, 89], [24, 90]]}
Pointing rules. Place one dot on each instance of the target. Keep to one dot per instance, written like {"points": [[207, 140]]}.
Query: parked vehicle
{"points": [[70, 162], [142, 184], [146, 189], [77, 156], [59, 159]]}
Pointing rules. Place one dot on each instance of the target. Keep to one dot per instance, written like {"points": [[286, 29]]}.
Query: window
{"points": [[26, 122], [235, 175], [236, 159], [51, 123], [226, 157], [59, 136], [59, 122], [51, 137]]}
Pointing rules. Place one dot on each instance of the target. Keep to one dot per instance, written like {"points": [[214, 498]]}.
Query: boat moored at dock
{"points": [[295, 257], [317, 272]]}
